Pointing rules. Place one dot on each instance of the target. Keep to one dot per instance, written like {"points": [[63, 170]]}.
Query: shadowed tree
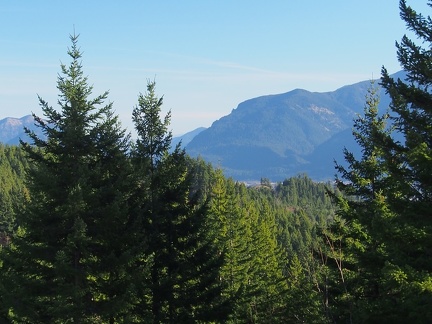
{"points": [[183, 267], [66, 263], [387, 234]]}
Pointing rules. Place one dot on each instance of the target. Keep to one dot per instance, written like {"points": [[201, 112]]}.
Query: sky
{"points": [[206, 56]]}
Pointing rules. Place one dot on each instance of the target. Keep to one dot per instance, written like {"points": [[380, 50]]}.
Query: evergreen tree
{"points": [[13, 191], [263, 295], [184, 266], [355, 242], [409, 194], [303, 304], [388, 230], [268, 304], [69, 260], [232, 236], [203, 173]]}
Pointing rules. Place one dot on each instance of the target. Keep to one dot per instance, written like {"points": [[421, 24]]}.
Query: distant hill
{"points": [[278, 136], [186, 138], [272, 136], [12, 129]]}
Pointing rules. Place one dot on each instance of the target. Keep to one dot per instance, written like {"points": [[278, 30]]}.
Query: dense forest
{"points": [[96, 227]]}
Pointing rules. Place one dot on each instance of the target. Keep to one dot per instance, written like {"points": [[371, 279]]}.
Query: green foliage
{"points": [[354, 245], [183, 267], [261, 279], [154, 140], [263, 236], [380, 267], [301, 207], [13, 191], [409, 192], [303, 303], [65, 263]]}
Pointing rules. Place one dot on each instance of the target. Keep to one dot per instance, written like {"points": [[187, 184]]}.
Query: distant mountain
{"points": [[277, 136], [12, 129], [186, 138], [273, 136]]}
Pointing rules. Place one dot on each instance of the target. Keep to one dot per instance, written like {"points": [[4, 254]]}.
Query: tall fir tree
{"points": [[255, 262], [69, 260], [388, 233], [267, 275], [356, 241], [183, 263], [409, 161], [232, 236]]}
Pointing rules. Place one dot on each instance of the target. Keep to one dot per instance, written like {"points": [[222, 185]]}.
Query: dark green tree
{"points": [[183, 265], [355, 242], [268, 304], [258, 258], [303, 300], [13, 191], [232, 236], [387, 234], [69, 260], [409, 194]]}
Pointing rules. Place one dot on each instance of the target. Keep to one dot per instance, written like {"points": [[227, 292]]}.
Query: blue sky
{"points": [[206, 56]]}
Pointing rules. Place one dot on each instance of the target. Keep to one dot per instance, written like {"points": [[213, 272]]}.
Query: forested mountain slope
{"points": [[277, 136]]}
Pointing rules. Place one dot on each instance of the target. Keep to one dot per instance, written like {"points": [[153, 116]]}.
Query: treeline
{"points": [[263, 238]]}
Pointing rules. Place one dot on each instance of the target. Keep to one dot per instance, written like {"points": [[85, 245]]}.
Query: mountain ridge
{"points": [[276, 136], [273, 136], [12, 129]]}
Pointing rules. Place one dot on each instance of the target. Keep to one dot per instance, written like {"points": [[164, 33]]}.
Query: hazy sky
{"points": [[206, 56]]}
